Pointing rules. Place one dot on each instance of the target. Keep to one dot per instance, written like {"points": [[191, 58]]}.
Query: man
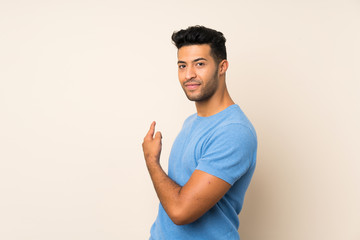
{"points": [[213, 157]]}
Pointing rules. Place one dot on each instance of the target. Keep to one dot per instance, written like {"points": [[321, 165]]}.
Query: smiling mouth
{"points": [[192, 86]]}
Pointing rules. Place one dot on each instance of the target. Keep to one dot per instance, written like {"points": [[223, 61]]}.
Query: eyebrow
{"points": [[195, 60]]}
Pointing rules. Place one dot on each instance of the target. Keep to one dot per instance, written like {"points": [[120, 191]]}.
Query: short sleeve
{"points": [[229, 152]]}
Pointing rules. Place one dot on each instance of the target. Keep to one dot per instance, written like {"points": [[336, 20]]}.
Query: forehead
{"points": [[191, 52]]}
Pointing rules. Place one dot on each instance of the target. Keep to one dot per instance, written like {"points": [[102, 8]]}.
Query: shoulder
{"points": [[234, 124], [233, 134], [229, 152]]}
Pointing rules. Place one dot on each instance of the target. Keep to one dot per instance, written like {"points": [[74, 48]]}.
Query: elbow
{"points": [[180, 221], [181, 217]]}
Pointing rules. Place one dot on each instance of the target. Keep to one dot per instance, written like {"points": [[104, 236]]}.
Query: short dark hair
{"points": [[201, 35]]}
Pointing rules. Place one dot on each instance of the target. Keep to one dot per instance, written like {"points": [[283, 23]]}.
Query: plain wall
{"points": [[81, 81]]}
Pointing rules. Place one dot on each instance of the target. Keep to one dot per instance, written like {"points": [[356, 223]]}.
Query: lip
{"points": [[192, 86]]}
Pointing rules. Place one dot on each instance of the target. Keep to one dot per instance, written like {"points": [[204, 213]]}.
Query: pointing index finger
{"points": [[151, 130]]}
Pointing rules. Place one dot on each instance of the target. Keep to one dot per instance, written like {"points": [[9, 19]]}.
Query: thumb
{"points": [[158, 135]]}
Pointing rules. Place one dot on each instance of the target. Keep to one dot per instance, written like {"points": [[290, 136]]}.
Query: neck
{"points": [[215, 104]]}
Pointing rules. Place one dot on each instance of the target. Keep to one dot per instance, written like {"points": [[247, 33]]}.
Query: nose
{"points": [[190, 73]]}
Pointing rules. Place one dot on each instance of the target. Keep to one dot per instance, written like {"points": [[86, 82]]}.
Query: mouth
{"points": [[191, 85]]}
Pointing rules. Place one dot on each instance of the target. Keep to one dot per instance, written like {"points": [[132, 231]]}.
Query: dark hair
{"points": [[201, 35]]}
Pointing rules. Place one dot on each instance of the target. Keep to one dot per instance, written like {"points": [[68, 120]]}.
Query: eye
{"points": [[200, 64], [181, 66]]}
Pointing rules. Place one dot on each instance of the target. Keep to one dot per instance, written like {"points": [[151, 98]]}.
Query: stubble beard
{"points": [[206, 92]]}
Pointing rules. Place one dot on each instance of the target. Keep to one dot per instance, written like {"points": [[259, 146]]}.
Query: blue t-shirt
{"points": [[223, 145]]}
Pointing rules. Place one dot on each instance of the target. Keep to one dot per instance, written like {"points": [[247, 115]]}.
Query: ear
{"points": [[223, 66]]}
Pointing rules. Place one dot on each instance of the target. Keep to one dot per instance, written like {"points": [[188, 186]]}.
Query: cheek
{"points": [[181, 75], [211, 74], [206, 76]]}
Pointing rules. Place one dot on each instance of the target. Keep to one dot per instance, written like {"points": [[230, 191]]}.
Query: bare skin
{"points": [[203, 81], [197, 65]]}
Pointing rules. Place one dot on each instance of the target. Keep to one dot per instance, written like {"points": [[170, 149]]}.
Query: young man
{"points": [[213, 157]]}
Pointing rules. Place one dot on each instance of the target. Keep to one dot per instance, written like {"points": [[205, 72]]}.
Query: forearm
{"points": [[168, 191], [183, 204]]}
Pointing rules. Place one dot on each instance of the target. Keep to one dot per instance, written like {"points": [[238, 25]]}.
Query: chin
{"points": [[197, 98], [191, 98]]}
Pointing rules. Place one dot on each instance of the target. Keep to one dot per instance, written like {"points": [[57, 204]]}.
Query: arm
{"points": [[183, 204]]}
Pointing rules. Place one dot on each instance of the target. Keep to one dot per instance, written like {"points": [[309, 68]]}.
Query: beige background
{"points": [[80, 82]]}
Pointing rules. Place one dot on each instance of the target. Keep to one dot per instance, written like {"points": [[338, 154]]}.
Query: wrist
{"points": [[152, 161]]}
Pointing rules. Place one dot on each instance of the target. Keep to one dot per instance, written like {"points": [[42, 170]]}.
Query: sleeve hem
{"points": [[217, 174]]}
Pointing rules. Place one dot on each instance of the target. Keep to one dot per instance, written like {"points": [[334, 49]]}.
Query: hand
{"points": [[152, 145]]}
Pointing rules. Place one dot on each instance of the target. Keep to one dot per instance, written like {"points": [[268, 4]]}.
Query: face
{"points": [[198, 72]]}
